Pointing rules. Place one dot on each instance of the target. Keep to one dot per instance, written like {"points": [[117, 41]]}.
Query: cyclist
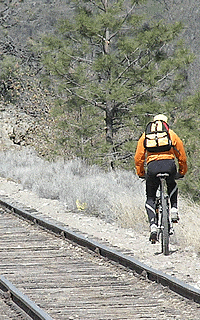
{"points": [[161, 162]]}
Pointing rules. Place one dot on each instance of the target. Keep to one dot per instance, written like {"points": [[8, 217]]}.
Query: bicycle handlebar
{"points": [[178, 176]]}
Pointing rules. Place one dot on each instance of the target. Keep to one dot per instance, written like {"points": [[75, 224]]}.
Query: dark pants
{"points": [[152, 184]]}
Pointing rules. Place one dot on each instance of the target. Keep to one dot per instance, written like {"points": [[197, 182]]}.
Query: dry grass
{"points": [[118, 196], [188, 231]]}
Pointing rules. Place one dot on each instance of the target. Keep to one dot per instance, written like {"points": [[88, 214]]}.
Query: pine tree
{"points": [[112, 68]]}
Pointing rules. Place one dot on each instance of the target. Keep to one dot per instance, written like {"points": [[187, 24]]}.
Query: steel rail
{"points": [[22, 301], [172, 283]]}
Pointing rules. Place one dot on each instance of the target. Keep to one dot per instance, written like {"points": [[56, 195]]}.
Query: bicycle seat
{"points": [[162, 175]]}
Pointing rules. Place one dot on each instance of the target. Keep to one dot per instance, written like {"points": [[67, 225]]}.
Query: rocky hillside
{"points": [[19, 129]]}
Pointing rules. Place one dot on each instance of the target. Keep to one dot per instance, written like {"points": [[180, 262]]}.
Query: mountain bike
{"points": [[165, 228], [162, 205]]}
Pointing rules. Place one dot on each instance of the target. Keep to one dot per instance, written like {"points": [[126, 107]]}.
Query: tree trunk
{"points": [[109, 135], [109, 125]]}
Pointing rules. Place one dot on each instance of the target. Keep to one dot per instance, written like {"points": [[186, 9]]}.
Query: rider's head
{"points": [[160, 117]]}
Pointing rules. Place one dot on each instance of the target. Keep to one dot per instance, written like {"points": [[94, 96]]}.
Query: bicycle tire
{"points": [[165, 225]]}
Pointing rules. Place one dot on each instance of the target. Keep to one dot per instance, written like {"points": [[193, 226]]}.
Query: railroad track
{"points": [[9, 310], [67, 281]]}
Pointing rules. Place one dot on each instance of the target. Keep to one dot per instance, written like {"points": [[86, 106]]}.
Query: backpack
{"points": [[157, 138]]}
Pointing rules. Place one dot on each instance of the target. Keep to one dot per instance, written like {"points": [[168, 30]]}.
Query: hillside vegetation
{"points": [[43, 76]]}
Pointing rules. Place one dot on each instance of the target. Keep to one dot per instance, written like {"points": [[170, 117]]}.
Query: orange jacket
{"points": [[177, 152]]}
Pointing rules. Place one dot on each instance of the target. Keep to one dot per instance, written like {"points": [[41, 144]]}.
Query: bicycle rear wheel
{"points": [[165, 227]]}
